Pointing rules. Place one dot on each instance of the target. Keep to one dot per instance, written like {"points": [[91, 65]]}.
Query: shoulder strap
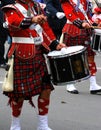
{"points": [[21, 9]]}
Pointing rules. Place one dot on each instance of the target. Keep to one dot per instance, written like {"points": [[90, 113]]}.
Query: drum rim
{"points": [[72, 82], [98, 31], [69, 54], [93, 42]]}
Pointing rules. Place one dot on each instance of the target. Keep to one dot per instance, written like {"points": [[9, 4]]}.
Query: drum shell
{"points": [[96, 41], [69, 68]]}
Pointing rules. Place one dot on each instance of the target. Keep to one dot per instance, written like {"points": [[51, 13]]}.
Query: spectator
{"points": [[3, 33]]}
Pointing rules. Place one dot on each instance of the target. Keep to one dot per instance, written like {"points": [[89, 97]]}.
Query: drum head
{"points": [[66, 51]]}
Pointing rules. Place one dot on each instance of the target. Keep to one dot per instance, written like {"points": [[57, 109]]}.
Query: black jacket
{"points": [[52, 7]]}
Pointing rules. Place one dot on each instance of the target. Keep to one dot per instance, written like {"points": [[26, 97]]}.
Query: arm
{"points": [[77, 19], [15, 21], [12, 19], [50, 40]]}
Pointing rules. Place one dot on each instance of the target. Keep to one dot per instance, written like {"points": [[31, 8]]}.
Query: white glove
{"points": [[64, 50], [60, 15]]}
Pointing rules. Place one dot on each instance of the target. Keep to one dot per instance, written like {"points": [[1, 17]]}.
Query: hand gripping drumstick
{"points": [[95, 27]]}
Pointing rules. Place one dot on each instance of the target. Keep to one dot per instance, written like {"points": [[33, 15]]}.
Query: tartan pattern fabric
{"points": [[30, 77], [82, 39]]}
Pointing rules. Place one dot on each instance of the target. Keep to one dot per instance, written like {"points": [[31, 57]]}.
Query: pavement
{"points": [[67, 111]]}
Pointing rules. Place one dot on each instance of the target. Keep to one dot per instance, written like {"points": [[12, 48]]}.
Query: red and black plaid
{"points": [[81, 39], [30, 77]]}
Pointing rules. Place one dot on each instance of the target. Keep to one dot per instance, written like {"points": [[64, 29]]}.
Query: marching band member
{"points": [[3, 34], [77, 31], [30, 34]]}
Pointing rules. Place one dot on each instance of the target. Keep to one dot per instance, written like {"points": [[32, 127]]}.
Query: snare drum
{"points": [[68, 67], [96, 40]]}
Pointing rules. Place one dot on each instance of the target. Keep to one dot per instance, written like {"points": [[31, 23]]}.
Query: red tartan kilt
{"points": [[79, 40], [30, 77]]}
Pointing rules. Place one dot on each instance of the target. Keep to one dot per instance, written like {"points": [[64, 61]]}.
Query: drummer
{"points": [[78, 31], [30, 33]]}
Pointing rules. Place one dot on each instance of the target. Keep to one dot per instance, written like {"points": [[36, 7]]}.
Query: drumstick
{"points": [[95, 27], [61, 38]]}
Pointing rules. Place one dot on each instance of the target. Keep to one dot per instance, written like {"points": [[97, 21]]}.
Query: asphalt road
{"points": [[67, 111]]}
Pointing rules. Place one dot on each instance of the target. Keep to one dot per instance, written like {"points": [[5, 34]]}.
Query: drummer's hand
{"points": [[60, 46], [39, 19], [86, 25], [99, 25]]}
